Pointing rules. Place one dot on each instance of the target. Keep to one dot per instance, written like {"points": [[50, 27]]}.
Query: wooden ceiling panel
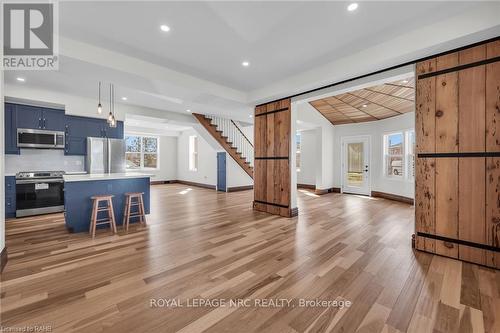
{"points": [[369, 104]]}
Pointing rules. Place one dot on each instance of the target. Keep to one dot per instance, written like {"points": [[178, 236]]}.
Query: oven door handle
{"points": [[26, 181]]}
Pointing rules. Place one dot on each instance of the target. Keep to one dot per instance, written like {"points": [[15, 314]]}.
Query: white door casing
{"points": [[356, 167]]}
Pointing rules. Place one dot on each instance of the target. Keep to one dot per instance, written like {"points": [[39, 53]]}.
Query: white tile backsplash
{"points": [[43, 160]]}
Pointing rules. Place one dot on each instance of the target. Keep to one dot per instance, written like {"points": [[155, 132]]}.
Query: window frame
{"points": [[408, 153], [405, 156], [195, 152], [142, 152], [298, 151]]}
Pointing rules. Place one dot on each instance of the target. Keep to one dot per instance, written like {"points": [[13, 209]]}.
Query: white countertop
{"points": [[105, 176]]}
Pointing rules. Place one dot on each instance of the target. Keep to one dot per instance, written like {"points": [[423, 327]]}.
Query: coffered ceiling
{"points": [[369, 104]]}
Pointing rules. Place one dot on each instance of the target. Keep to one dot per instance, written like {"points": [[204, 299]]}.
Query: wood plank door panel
{"points": [[457, 181], [447, 105], [272, 158], [425, 119], [493, 209], [471, 208], [493, 99], [425, 203], [447, 205], [472, 94]]}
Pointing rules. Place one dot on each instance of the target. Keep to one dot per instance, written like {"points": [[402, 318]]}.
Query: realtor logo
{"points": [[29, 36]]}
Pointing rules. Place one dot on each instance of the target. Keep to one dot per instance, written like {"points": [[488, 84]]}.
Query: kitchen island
{"points": [[79, 188]]}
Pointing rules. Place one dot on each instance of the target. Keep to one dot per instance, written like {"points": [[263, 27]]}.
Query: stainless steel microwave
{"points": [[34, 138]]}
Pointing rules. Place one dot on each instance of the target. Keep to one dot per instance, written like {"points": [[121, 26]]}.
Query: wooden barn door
{"points": [[272, 168], [457, 126]]}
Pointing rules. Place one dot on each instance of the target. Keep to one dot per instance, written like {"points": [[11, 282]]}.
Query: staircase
{"points": [[231, 138]]}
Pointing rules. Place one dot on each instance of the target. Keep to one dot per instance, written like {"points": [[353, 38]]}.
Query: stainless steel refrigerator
{"points": [[105, 155]]}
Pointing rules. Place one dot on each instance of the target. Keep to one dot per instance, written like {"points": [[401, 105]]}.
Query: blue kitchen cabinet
{"points": [[10, 196], [116, 132], [78, 205], [34, 117], [10, 129], [29, 116], [78, 129], [53, 119], [75, 145]]}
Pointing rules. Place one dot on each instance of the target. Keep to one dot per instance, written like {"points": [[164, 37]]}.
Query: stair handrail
{"points": [[242, 133]]}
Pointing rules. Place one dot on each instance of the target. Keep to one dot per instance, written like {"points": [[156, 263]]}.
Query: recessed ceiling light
{"points": [[352, 7], [164, 28], [364, 105], [188, 110], [124, 98], [245, 64], [21, 79]]}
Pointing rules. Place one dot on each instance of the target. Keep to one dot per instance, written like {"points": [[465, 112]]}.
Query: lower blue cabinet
{"points": [[10, 196]]}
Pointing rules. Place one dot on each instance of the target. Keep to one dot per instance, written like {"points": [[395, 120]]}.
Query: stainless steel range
{"points": [[39, 192]]}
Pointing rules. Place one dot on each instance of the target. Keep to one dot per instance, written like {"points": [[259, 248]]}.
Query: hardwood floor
{"points": [[204, 244]]}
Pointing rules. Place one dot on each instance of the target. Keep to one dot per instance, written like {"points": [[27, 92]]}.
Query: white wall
{"points": [[324, 144], [207, 164], [308, 157], [248, 131], [376, 131], [168, 159]]}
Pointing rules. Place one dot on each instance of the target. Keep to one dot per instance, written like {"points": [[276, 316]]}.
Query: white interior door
{"points": [[356, 165]]}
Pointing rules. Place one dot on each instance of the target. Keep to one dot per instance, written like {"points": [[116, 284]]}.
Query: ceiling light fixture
{"points": [[250, 116], [188, 110], [164, 28], [405, 81], [245, 64], [21, 79], [352, 7], [99, 105], [124, 98]]}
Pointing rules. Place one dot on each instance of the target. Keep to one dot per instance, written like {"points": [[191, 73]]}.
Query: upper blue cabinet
{"points": [[116, 132], [77, 129], [10, 129], [35, 117]]}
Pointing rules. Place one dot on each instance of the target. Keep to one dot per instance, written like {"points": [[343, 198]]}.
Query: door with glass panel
{"points": [[356, 165]]}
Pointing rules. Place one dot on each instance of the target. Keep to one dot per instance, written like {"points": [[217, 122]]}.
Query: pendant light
{"points": [[99, 106], [110, 115]]}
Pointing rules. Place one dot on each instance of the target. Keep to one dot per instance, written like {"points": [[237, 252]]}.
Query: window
{"points": [[298, 140], [399, 155], [141, 152], [394, 151], [193, 153]]}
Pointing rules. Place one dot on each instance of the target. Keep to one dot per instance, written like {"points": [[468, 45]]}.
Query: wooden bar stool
{"points": [[94, 222], [129, 203]]}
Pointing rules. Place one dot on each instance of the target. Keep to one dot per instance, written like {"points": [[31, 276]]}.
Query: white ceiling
{"points": [[197, 65], [211, 39]]}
